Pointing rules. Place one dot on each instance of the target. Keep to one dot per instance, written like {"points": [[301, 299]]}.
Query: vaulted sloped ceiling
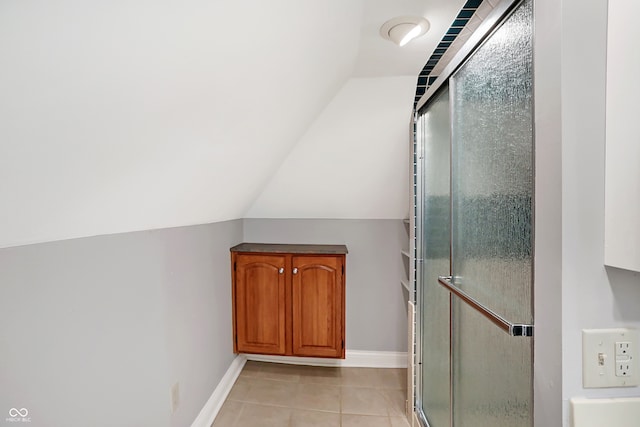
{"points": [[131, 115], [353, 162]]}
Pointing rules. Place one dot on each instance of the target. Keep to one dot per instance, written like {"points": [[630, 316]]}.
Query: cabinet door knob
{"points": [[281, 271], [295, 270]]}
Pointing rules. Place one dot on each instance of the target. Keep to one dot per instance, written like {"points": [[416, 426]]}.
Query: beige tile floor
{"points": [[275, 395]]}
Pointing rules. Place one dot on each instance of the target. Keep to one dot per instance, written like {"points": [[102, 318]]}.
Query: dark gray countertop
{"points": [[290, 248]]}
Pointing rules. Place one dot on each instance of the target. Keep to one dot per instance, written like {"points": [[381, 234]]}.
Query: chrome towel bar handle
{"points": [[513, 329]]}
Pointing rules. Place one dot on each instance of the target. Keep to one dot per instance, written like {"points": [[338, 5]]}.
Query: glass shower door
{"points": [[491, 229], [435, 393], [476, 236]]}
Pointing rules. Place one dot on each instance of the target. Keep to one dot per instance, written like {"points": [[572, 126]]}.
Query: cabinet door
{"points": [[259, 297], [318, 306]]}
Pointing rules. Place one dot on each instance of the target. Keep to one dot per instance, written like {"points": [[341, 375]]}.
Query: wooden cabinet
{"points": [[259, 292], [289, 299], [317, 304]]}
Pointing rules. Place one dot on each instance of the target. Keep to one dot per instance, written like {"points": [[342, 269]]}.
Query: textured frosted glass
{"points": [[436, 402], [492, 188], [492, 185], [492, 373]]}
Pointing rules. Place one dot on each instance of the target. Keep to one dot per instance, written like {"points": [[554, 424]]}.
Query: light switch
{"points": [[609, 358]]}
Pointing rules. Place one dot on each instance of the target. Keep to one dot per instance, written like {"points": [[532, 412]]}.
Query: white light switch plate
{"points": [[601, 355]]}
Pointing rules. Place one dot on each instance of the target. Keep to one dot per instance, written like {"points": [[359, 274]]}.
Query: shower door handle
{"points": [[513, 329]]}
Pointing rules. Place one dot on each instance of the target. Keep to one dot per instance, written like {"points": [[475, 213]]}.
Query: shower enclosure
{"points": [[475, 232]]}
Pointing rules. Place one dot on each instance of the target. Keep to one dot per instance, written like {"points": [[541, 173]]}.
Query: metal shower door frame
{"points": [[495, 18]]}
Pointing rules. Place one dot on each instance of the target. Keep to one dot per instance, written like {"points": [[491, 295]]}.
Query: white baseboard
{"points": [[354, 359], [414, 420], [208, 414]]}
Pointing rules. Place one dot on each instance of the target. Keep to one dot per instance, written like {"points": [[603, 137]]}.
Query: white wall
{"points": [[106, 325], [376, 307], [94, 331], [197, 316], [592, 296], [131, 115], [548, 215], [353, 160]]}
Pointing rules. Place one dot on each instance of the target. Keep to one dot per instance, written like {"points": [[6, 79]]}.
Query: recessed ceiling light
{"points": [[403, 29]]}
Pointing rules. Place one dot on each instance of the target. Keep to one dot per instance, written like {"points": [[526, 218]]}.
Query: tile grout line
{"points": [[235, 421], [382, 384], [340, 419]]}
